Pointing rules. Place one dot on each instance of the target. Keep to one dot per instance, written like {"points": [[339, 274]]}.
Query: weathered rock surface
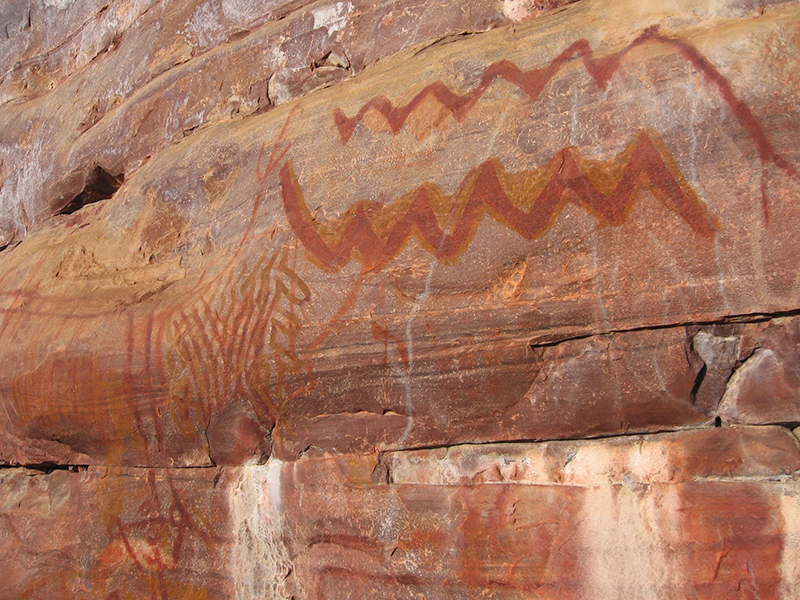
{"points": [[324, 300], [707, 513], [766, 385]]}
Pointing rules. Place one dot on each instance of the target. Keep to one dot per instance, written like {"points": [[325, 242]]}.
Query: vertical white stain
{"points": [[261, 561], [573, 119], [622, 556], [409, 398], [790, 558], [498, 126], [598, 288], [332, 17], [698, 186]]}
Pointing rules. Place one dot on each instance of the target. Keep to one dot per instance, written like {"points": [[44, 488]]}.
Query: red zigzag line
{"points": [[533, 82], [482, 191]]}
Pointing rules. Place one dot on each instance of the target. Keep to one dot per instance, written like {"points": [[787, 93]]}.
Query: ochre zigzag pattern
{"points": [[526, 202], [533, 82]]}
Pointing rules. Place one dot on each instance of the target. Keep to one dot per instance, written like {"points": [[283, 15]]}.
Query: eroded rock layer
{"points": [[399, 300]]}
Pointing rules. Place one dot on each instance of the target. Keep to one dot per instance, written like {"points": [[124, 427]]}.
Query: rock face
{"points": [[399, 300]]}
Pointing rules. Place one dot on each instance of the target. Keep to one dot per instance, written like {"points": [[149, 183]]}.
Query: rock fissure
{"points": [[100, 185], [447, 39], [46, 468], [727, 319], [545, 441], [701, 374]]}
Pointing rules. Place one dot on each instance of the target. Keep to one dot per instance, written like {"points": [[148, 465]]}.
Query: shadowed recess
{"points": [[100, 185]]}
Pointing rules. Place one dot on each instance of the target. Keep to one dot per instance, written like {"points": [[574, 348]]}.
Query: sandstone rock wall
{"points": [[399, 299]]}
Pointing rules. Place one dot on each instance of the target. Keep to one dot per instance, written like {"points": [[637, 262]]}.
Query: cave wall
{"points": [[399, 299]]}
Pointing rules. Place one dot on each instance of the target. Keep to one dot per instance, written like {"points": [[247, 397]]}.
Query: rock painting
{"points": [[527, 203], [533, 82], [399, 299], [239, 342]]}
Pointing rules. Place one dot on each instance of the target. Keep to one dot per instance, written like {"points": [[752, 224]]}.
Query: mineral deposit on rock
{"points": [[361, 299]]}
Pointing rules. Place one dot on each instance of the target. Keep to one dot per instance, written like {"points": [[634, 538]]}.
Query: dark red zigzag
{"points": [[533, 82], [482, 191]]}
